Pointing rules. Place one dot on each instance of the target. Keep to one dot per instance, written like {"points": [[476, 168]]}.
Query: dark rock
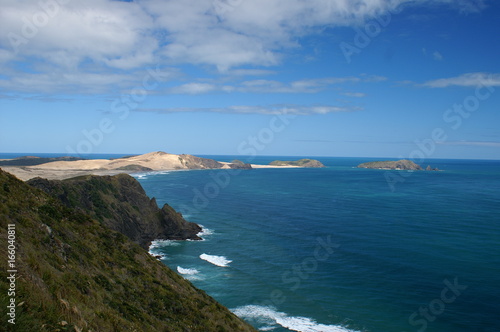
{"points": [[238, 164], [193, 162]]}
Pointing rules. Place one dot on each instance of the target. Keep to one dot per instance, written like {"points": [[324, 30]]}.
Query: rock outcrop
{"points": [[298, 163], [403, 164], [120, 203]]}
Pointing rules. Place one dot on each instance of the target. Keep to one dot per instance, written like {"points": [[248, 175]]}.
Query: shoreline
{"points": [[26, 173]]}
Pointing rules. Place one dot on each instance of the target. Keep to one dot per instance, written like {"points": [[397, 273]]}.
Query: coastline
{"points": [[26, 173]]}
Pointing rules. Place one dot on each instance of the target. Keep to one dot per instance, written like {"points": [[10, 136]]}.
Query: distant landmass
{"points": [[26, 168], [298, 163], [403, 164], [73, 271], [33, 161], [154, 161]]}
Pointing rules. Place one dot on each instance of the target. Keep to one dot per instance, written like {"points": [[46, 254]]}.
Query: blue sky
{"points": [[371, 78]]}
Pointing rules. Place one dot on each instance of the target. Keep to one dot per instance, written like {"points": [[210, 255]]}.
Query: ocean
{"points": [[341, 248]]}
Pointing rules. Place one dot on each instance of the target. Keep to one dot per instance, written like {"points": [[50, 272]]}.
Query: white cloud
{"points": [[466, 80], [265, 110], [354, 94], [272, 86], [194, 88], [437, 56], [121, 37]]}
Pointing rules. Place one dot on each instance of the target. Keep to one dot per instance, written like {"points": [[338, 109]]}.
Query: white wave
{"points": [[216, 260], [163, 243], [139, 176], [269, 317], [204, 232], [145, 175], [182, 270]]}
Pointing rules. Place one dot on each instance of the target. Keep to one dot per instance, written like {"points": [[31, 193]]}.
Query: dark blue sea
{"points": [[342, 248]]}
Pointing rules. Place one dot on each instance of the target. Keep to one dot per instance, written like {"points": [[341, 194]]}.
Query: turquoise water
{"points": [[339, 249]]}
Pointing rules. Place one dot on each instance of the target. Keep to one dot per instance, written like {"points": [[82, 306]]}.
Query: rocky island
{"points": [[298, 163], [403, 164]]}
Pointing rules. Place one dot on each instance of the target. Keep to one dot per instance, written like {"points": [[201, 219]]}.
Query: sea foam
{"points": [[269, 317], [182, 270], [216, 260], [204, 231]]}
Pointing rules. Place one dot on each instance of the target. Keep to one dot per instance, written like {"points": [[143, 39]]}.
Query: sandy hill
{"points": [[153, 161]]}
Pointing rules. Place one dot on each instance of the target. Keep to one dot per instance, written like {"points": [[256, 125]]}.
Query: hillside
{"points": [[120, 203], [75, 274], [156, 161]]}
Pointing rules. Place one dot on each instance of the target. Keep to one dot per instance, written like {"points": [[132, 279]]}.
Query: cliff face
{"points": [[193, 162], [120, 203], [76, 274]]}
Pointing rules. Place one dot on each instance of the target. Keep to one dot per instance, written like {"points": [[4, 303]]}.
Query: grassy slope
{"points": [[73, 269]]}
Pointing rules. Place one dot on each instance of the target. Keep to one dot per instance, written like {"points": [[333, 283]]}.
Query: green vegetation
{"points": [[33, 161], [299, 163], [120, 203], [76, 274]]}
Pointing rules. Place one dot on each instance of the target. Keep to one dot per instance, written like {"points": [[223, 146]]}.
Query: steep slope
{"points": [[75, 274], [121, 204]]}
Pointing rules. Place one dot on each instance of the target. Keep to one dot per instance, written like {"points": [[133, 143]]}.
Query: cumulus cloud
{"points": [[117, 38]]}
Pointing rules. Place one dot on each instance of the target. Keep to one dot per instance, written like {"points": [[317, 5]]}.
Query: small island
{"points": [[404, 164], [298, 163]]}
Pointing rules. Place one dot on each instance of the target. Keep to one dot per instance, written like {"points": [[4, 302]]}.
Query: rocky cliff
{"points": [[73, 273], [120, 203]]}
